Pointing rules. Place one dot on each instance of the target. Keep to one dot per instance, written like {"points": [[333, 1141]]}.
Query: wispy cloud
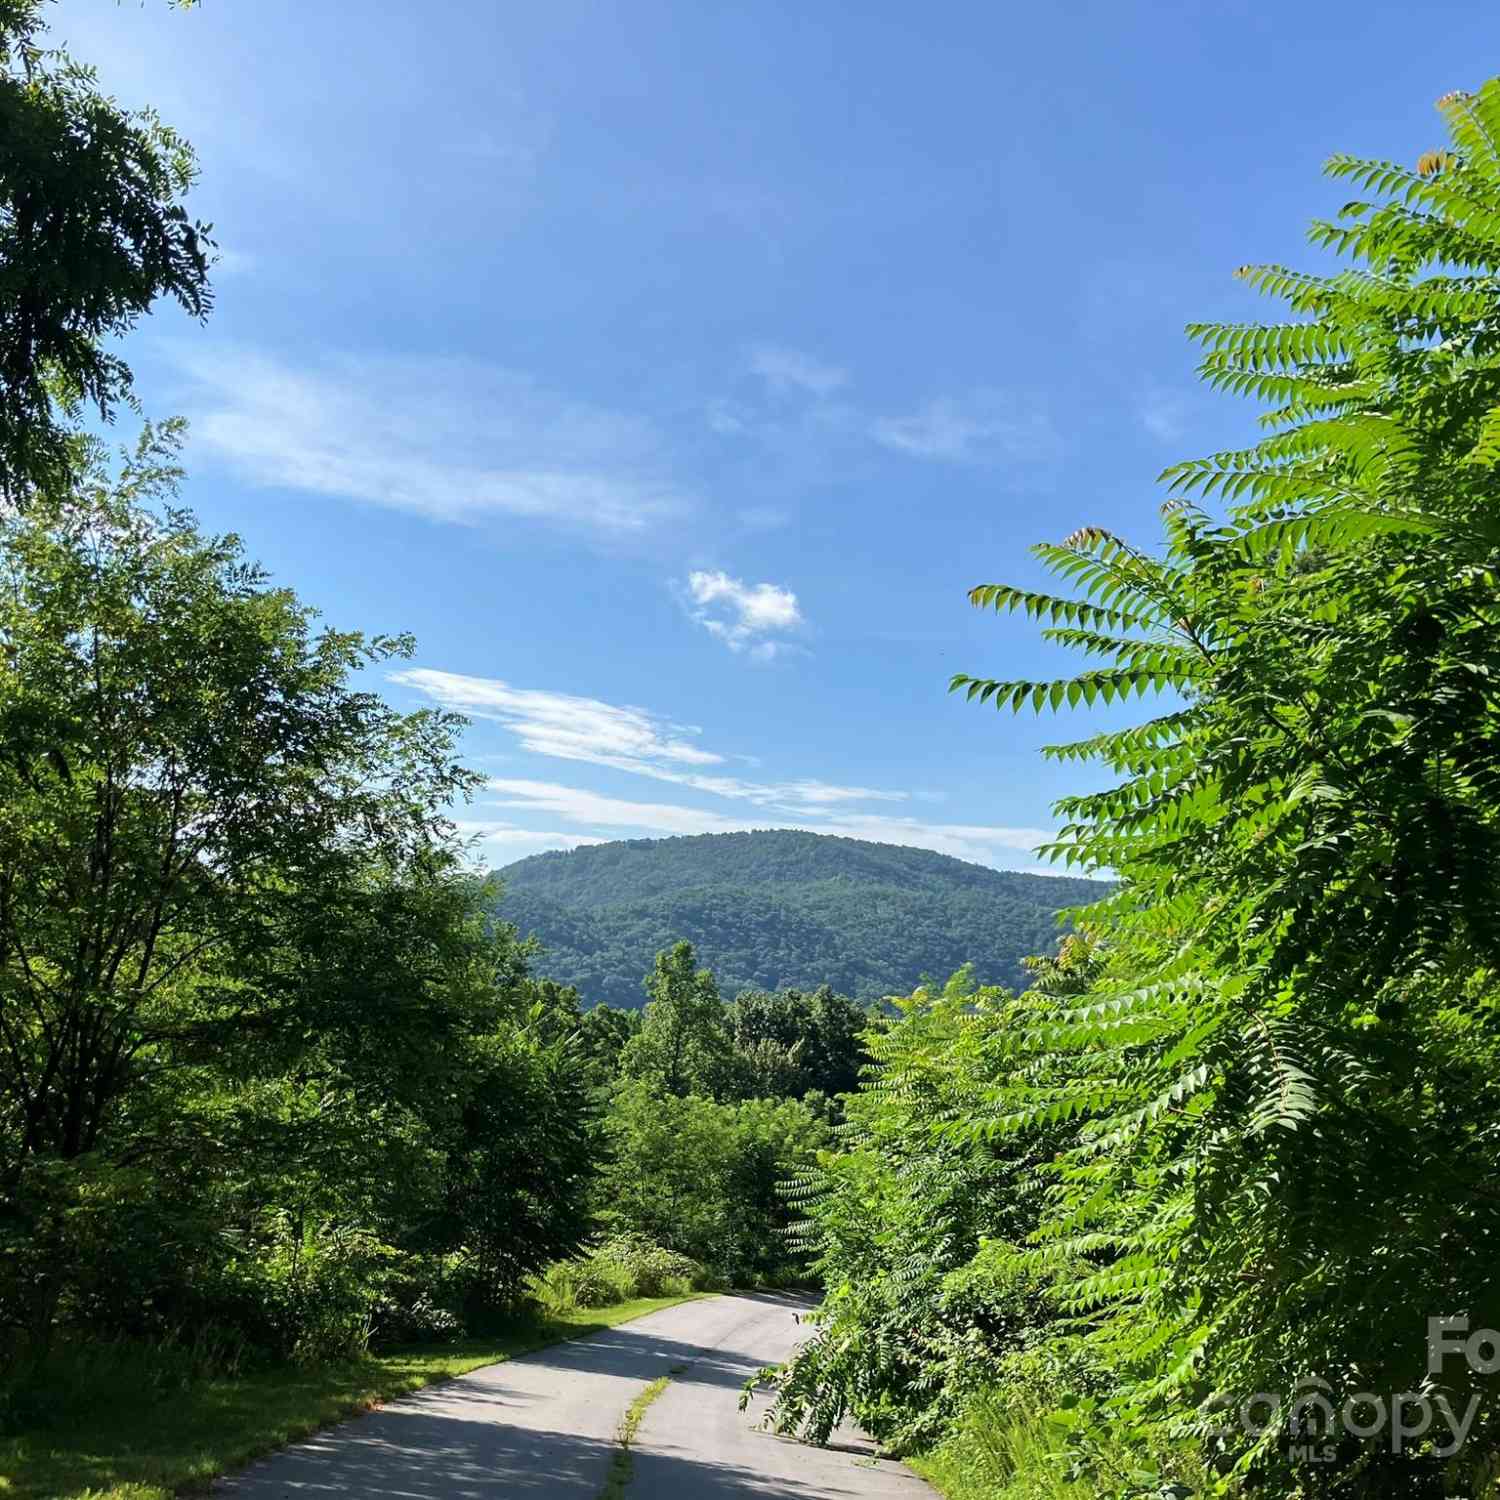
{"points": [[804, 406], [787, 370], [569, 727], [622, 738], [565, 725], [984, 426], [454, 440], [750, 617], [979, 843]]}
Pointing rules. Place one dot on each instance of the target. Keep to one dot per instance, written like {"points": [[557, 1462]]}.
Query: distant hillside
{"points": [[780, 908]]}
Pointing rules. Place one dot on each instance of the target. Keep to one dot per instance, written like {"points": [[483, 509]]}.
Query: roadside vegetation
{"points": [[1237, 1142]]}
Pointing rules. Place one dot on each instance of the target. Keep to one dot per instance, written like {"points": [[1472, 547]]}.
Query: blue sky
{"points": [[672, 369]]}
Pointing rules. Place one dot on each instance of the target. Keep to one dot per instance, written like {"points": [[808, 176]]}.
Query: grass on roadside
{"points": [[623, 1465], [135, 1444], [1002, 1449]]}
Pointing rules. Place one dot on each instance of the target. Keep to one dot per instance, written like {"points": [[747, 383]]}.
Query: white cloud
{"points": [[746, 617], [620, 737], [985, 426], [790, 370], [562, 724], [451, 439], [978, 843], [568, 727]]}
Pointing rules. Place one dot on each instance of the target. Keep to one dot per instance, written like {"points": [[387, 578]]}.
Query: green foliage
{"points": [[518, 1166], [1269, 1104], [780, 909], [902, 1223], [1009, 1443], [701, 1178], [790, 1044], [269, 1077], [622, 1267], [92, 233], [603, 1032], [683, 1046]]}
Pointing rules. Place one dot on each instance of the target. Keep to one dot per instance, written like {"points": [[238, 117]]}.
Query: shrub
{"points": [[615, 1271]]}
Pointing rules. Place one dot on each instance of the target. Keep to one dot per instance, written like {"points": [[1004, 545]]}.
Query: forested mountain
{"points": [[780, 908]]}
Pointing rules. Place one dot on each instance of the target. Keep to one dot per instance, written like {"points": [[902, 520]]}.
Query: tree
{"points": [[1251, 1102], [789, 1044], [701, 1178], [187, 778], [901, 1224], [92, 233], [683, 1046], [1285, 1065], [248, 1005], [519, 1164], [604, 1033]]}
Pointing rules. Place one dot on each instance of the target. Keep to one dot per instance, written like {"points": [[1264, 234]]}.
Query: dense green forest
{"points": [[1202, 1201], [781, 908]]}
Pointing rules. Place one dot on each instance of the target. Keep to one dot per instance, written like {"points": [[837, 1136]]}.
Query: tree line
{"points": [[781, 907]]}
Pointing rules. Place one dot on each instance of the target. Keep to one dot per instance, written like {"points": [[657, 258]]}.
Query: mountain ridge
{"points": [[778, 908]]}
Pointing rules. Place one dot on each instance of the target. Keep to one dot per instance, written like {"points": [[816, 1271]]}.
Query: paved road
{"points": [[545, 1425]]}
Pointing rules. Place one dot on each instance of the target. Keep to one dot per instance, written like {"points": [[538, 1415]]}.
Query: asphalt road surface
{"points": [[545, 1425]]}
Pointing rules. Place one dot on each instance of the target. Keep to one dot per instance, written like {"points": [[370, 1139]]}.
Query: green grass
{"points": [[997, 1452], [623, 1465], [133, 1443]]}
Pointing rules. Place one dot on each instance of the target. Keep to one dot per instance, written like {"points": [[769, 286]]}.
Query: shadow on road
{"points": [[487, 1435], [404, 1454], [621, 1351]]}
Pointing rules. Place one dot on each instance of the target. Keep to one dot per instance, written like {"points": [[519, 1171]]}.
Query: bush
{"points": [[650, 1267], [419, 1302], [616, 1271]]}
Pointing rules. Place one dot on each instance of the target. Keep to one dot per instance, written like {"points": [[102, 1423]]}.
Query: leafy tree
{"points": [[261, 1049], [92, 233], [1267, 1068], [604, 1033], [683, 1046], [187, 778], [520, 1164], [901, 1224], [701, 1177], [1285, 1068], [789, 1043]]}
